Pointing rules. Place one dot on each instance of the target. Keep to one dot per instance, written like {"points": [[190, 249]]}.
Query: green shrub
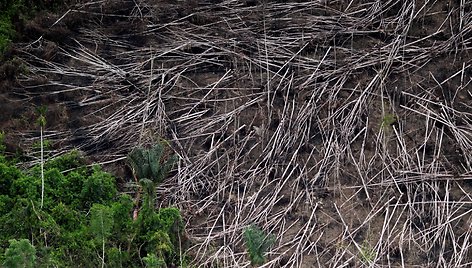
{"points": [[367, 254], [151, 163], [162, 231], [8, 175], [101, 223], [122, 219], [20, 254], [82, 208], [6, 27], [257, 243], [26, 186], [66, 217], [98, 188], [2, 146], [68, 161], [6, 203], [152, 261], [117, 258]]}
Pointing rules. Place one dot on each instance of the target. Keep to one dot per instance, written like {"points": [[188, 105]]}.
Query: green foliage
{"points": [[117, 258], [257, 243], [101, 221], [26, 186], [8, 175], [151, 167], [162, 243], [162, 231], [46, 145], [20, 254], [83, 217], [152, 261], [5, 203], [66, 217], [42, 115], [2, 137], [122, 219], [367, 253], [150, 163], [98, 187], [16, 11], [6, 27], [166, 219], [71, 160], [149, 190], [388, 120]]}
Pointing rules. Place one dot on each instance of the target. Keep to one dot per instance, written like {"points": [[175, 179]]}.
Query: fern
{"points": [[257, 243], [139, 162], [154, 159], [150, 163]]}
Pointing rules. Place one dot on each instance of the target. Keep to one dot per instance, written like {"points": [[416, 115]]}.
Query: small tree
{"points": [[101, 223], [151, 164], [150, 167], [20, 254], [42, 124], [257, 243]]}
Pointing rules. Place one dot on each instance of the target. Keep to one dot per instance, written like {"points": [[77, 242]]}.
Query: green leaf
{"points": [[257, 243], [2, 139], [42, 115], [8, 175], [152, 261], [149, 163], [20, 254], [139, 162], [101, 221], [155, 155], [98, 188]]}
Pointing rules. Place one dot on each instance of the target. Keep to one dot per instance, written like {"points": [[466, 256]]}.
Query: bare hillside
{"points": [[343, 128]]}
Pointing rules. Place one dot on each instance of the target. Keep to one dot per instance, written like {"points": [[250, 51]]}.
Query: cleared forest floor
{"points": [[344, 128]]}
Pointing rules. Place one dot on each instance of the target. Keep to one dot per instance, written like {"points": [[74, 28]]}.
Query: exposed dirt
{"points": [[341, 127]]}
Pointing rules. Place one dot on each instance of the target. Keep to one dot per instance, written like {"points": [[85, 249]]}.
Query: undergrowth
{"points": [[15, 12], [84, 222], [257, 244]]}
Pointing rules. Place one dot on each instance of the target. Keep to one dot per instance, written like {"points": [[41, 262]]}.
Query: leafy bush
{"points": [[20, 254], [7, 31], [150, 166], [152, 261], [150, 163], [101, 223], [98, 188], [8, 175], [257, 243], [82, 208]]}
